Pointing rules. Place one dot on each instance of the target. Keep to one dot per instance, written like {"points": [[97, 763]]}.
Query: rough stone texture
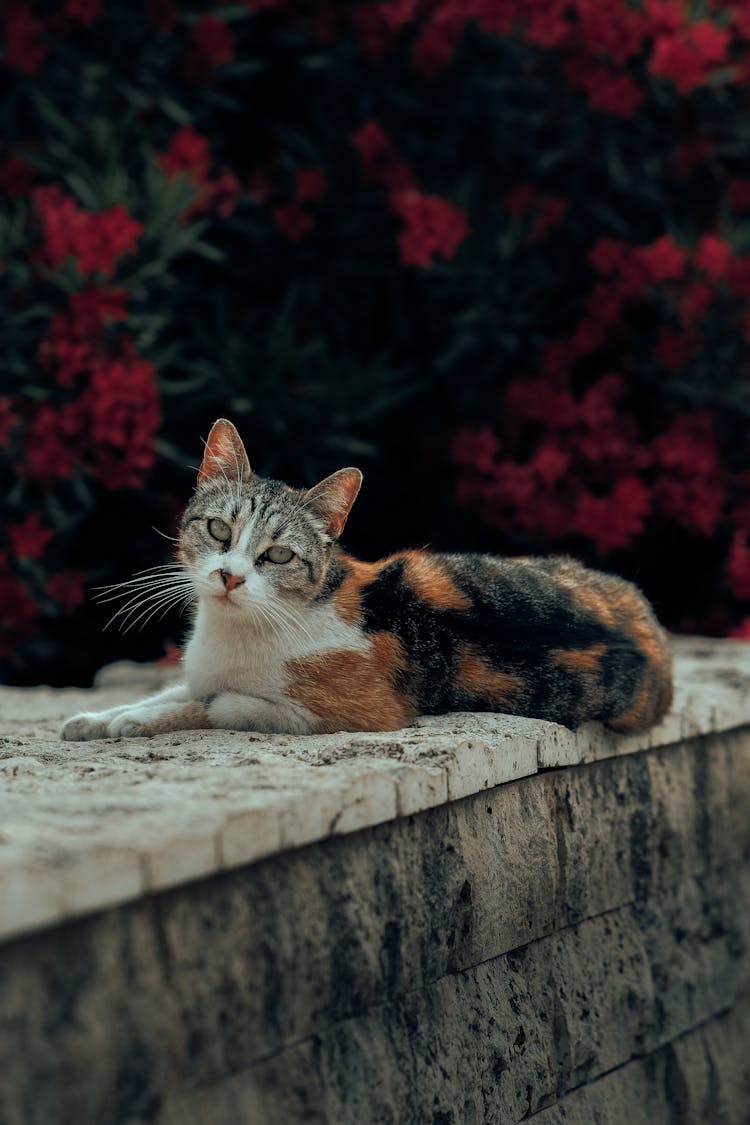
{"points": [[380, 929], [473, 963], [87, 825]]}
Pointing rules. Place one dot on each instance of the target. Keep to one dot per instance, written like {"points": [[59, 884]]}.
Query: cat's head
{"points": [[251, 544]]}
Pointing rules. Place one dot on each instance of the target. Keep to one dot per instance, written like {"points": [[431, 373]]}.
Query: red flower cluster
{"points": [[109, 430], [433, 227], [295, 218], [601, 41], [124, 416], [96, 240], [549, 210], [213, 45], [25, 48], [74, 342], [189, 154], [591, 469], [83, 11], [29, 539], [690, 54], [16, 176]]}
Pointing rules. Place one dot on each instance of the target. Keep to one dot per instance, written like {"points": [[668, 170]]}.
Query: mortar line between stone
{"points": [[292, 1043], [640, 1056]]}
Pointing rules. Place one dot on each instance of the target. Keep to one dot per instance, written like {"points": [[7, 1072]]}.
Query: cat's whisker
{"points": [[137, 603], [170, 538], [146, 599], [112, 594], [165, 603]]}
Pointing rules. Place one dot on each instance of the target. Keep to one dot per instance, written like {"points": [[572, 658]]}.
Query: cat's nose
{"points": [[231, 580]]}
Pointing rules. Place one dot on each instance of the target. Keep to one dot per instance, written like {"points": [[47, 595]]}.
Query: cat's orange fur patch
{"points": [[348, 597], [597, 604], [431, 582], [587, 660], [654, 697], [478, 678], [353, 690]]}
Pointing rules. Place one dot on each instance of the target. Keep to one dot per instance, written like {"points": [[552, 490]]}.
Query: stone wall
{"points": [[571, 945]]}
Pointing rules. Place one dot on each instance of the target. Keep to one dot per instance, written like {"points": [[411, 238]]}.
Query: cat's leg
{"points": [[232, 711], [171, 704]]}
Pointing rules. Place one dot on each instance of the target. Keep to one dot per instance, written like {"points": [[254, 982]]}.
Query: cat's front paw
{"points": [[83, 728], [129, 726]]}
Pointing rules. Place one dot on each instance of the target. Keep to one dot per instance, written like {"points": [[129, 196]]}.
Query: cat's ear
{"points": [[332, 499], [225, 455]]}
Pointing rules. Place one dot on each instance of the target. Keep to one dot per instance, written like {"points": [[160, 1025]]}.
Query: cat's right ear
{"points": [[225, 455], [332, 498]]}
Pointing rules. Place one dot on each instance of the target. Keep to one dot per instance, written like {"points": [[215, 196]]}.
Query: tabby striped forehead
{"points": [[262, 506]]}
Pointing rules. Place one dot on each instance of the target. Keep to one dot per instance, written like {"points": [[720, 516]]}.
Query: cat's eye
{"points": [[217, 529], [279, 554]]}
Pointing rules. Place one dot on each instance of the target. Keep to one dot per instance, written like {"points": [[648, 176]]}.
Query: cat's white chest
{"points": [[225, 652]]}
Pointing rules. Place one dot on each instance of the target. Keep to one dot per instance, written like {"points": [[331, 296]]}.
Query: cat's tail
{"points": [[652, 697]]}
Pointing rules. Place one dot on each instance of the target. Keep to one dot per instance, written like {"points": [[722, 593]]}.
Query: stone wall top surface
{"points": [[88, 825]]}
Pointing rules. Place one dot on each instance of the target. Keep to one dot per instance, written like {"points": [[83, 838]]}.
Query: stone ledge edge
{"points": [[435, 768]]}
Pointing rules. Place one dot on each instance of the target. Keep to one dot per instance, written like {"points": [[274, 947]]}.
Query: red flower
{"points": [[8, 421], [53, 442], [189, 152], [739, 194], [76, 334], [96, 239], [663, 259], [438, 39], [607, 256], [738, 276], [521, 200], [552, 212], [24, 47], [691, 486], [691, 154], [67, 588], [214, 41], [612, 522], [616, 94], [85, 11], [738, 566], [674, 349], [433, 227], [16, 176], [712, 255], [292, 221], [475, 449], [545, 24], [29, 539], [225, 191], [381, 163], [741, 632], [310, 185], [123, 417], [694, 302], [689, 56], [540, 400]]}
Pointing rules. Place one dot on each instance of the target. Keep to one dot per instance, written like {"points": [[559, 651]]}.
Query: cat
{"points": [[293, 635]]}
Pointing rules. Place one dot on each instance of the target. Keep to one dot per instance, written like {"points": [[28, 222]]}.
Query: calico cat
{"points": [[291, 634]]}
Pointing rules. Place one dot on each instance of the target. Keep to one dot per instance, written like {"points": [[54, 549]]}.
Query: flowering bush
{"points": [[499, 245]]}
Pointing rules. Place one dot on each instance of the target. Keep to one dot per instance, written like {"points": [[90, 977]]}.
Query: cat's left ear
{"points": [[225, 454], [333, 497]]}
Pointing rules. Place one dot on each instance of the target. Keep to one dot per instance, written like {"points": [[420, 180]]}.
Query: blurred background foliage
{"points": [[495, 252]]}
